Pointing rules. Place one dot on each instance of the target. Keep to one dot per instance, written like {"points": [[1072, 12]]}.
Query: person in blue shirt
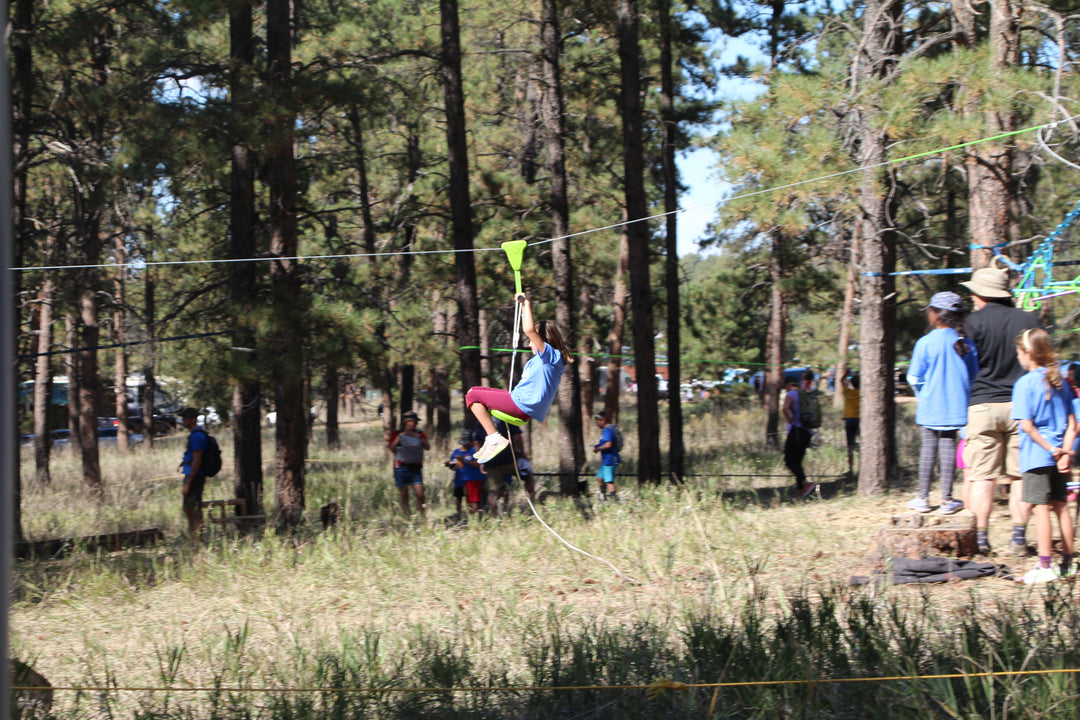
{"points": [[468, 477], [191, 467], [943, 365], [531, 398], [1042, 403], [609, 456]]}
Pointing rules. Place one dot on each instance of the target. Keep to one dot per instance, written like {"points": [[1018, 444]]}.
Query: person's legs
{"points": [[194, 520], [1065, 525], [928, 452], [983, 458], [404, 498], [481, 400], [851, 431], [418, 491], [1043, 533], [947, 459], [794, 451], [980, 500]]}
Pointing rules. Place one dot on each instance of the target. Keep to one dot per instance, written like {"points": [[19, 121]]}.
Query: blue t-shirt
{"points": [[539, 383], [459, 472], [466, 472], [197, 440], [1050, 416], [609, 456], [942, 379]]}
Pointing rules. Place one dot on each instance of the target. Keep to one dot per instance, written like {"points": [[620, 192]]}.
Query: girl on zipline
{"points": [[532, 396]]}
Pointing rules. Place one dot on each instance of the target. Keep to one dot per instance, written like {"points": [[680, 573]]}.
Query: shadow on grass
{"points": [[843, 653]]}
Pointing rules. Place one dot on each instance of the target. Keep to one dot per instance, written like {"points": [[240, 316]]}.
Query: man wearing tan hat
{"points": [[992, 444]]}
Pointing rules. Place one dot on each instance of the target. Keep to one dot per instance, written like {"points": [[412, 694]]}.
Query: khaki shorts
{"points": [[496, 478], [992, 448]]}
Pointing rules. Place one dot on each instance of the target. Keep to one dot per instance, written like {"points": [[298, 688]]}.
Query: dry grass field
{"points": [[386, 601]]}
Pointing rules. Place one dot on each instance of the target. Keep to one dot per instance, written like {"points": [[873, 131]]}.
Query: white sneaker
{"points": [[493, 445], [1040, 575]]}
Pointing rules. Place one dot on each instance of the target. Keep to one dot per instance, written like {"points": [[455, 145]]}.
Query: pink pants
{"points": [[494, 399]]}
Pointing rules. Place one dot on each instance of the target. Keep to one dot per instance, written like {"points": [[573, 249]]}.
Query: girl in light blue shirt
{"points": [[1042, 403], [533, 395], [943, 365]]}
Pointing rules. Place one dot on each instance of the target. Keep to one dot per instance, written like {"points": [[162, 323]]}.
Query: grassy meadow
{"points": [[722, 580]]}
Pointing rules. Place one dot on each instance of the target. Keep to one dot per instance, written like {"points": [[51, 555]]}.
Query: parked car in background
{"points": [[209, 416]]}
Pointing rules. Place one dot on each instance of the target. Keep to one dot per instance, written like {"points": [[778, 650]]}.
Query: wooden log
{"points": [[107, 542], [915, 535]]}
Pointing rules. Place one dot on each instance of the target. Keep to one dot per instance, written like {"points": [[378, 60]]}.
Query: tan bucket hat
{"points": [[989, 283]]}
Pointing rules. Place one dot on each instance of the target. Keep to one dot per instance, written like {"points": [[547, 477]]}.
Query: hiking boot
{"points": [[1040, 575], [985, 550], [949, 507], [493, 445], [1018, 549], [919, 504], [806, 490], [1069, 571]]}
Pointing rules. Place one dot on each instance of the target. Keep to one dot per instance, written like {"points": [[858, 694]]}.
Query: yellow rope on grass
{"points": [[653, 689]]}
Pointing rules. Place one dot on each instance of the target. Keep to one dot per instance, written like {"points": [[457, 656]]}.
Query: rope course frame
{"points": [[1037, 281]]}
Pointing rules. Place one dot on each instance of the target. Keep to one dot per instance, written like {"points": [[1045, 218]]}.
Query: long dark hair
{"points": [[551, 334], [955, 320]]}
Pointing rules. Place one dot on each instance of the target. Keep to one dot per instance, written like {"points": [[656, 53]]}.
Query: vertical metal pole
{"points": [[8, 447]]}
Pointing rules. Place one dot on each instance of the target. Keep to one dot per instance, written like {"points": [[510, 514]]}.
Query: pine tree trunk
{"points": [[333, 394], [287, 292], [846, 316], [589, 372], [247, 396], [676, 451], [776, 336], [638, 242], [880, 49], [71, 362], [89, 387], [458, 191], [991, 189], [618, 329], [22, 89], [149, 382], [571, 440], [407, 387], [43, 376], [120, 377]]}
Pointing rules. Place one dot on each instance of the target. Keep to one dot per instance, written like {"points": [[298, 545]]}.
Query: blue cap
{"points": [[946, 301]]}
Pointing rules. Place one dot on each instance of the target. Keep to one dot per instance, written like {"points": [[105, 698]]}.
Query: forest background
{"points": [[273, 202]]}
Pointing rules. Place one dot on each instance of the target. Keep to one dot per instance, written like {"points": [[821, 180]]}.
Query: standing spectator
{"points": [[500, 469], [408, 446], [468, 477], [192, 467], [608, 447], [1074, 378], [851, 418], [992, 447], [943, 365], [1042, 402], [798, 436]]}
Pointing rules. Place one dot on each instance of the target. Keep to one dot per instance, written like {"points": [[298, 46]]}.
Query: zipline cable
{"points": [[141, 264]]}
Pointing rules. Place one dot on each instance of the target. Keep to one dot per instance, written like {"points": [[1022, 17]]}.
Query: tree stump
{"points": [[915, 535]]}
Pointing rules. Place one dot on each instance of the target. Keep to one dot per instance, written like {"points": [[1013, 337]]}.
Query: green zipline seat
{"points": [[499, 414]]}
